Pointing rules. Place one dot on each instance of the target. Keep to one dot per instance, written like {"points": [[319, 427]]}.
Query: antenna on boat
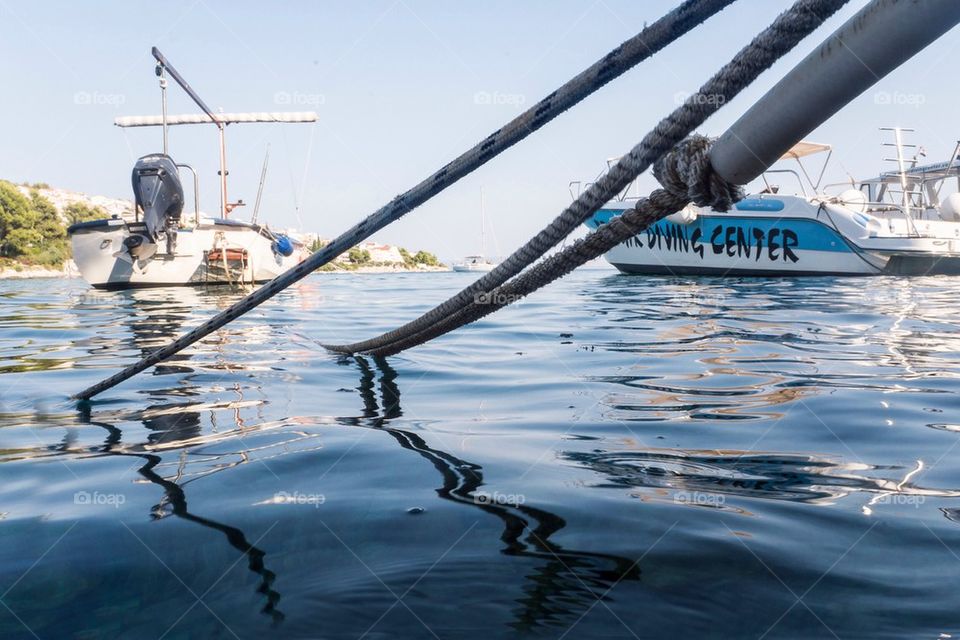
{"points": [[164, 65], [263, 177], [902, 168]]}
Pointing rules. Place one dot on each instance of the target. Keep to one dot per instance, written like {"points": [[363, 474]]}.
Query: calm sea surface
{"points": [[615, 457]]}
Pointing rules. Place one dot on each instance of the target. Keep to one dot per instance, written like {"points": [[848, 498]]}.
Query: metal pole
{"points": [[223, 171], [196, 193], [902, 170], [183, 83], [164, 65], [163, 100], [874, 42]]}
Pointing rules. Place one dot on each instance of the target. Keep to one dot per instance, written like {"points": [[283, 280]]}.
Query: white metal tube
{"points": [[874, 42]]}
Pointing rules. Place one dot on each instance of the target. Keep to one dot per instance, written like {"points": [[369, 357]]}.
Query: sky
{"points": [[401, 87]]}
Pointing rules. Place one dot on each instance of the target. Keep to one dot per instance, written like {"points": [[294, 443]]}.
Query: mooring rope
{"points": [[784, 34], [687, 176], [649, 41]]}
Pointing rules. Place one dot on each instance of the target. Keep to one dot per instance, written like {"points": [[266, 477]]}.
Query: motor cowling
{"points": [[158, 193]]}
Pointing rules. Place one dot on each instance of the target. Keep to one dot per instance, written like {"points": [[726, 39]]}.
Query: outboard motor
{"points": [[159, 194]]}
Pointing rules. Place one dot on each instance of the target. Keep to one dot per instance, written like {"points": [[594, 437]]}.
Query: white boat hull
{"points": [[475, 268], [100, 255], [475, 264], [784, 236]]}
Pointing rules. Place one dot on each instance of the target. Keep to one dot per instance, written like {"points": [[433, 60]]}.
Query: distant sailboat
{"points": [[477, 263]]}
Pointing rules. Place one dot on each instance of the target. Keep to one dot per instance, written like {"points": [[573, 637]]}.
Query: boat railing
{"points": [[846, 185], [196, 192], [793, 172], [918, 206], [885, 209], [891, 210]]}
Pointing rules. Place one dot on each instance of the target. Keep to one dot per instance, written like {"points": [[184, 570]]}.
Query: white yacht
{"points": [[162, 246], [478, 263], [474, 263], [903, 222]]}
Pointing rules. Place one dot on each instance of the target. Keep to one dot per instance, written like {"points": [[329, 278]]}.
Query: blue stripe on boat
{"points": [[811, 234]]}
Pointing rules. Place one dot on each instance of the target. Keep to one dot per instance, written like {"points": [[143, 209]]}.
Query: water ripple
{"points": [[671, 451]]}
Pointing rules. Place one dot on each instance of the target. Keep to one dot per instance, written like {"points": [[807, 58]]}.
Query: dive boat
{"points": [[160, 246], [897, 223]]}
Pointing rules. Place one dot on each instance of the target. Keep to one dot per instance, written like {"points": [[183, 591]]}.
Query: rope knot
{"points": [[686, 173]]}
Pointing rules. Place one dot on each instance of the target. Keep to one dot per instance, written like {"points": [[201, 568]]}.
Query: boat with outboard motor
{"points": [[898, 223], [161, 246]]}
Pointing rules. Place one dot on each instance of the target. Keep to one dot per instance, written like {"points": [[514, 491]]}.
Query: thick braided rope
{"points": [[652, 39], [784, 34], [687, 176]]}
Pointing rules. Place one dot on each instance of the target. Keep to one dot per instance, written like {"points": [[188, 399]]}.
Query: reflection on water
{"points": [[563, 585], [174, 502], [791, 409], [772, 476], [567, 582]]}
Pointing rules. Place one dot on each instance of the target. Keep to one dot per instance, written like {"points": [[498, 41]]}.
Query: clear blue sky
{"points": [[395, 83]]}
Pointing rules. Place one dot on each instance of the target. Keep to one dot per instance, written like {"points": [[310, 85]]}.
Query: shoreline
{"points": [[394, 269], [26, 272], [29, 272]]}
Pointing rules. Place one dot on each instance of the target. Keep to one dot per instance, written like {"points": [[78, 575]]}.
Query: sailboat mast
{"points": [[263, 177], [483, 242]]}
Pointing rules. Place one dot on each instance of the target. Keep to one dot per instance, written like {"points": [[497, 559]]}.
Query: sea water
{"points": [[614, 457]]}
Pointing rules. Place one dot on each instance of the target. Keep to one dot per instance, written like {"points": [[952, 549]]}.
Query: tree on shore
{"points": [[356, 255], [426, 258], [30, 229], [81, 212], [317, 243]]}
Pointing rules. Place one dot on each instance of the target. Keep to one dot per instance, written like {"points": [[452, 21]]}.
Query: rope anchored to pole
{"points": [[782, 36], [880, 37], [687, 176]]}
